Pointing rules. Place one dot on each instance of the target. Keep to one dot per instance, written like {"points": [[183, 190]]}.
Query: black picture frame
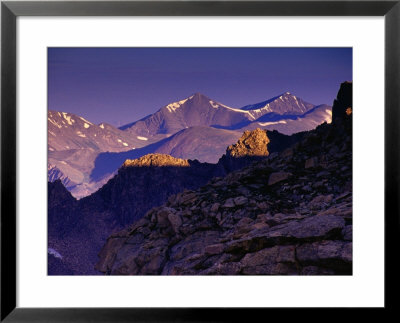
{"points": [[10, 10]]}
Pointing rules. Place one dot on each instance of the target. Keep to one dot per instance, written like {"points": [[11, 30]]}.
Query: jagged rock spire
{"points": [[252, 143], [343, 104]]}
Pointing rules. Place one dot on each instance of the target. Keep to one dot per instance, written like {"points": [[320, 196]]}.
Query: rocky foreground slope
{"points": [[78, 229], [288, 214]]}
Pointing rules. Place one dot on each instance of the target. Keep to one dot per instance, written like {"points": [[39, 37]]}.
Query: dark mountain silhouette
{"points": [[65, 219], [145, 182], [342, 106]]}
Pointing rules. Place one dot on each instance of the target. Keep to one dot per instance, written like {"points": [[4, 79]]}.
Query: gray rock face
{"points": [[278, 177], [330, 253]]}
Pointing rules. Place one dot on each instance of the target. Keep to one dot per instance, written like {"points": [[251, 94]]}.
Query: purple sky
{"points": [[122, 85]]}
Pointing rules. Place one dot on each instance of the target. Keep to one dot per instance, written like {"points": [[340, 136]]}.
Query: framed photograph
{"points": [[200, 157]]}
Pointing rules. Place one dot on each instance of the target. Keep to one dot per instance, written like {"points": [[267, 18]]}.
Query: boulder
{"points": [[215, 207], [240, 200], [214, 249], [311, 163], [175, 220], [163, 214], [229, 203], [323, 252], [278, 177]]}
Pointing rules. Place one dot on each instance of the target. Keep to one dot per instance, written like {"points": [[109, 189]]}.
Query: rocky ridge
{"points": [[156, 160], [289, 214], [139, 185]]}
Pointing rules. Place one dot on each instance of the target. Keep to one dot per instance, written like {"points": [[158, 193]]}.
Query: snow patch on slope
{"points": [[263, 124], [264, 108], [86, 121], [54, 123], [216, 105], [328, 118], [176, 105], [68, 118], [55, 253]]}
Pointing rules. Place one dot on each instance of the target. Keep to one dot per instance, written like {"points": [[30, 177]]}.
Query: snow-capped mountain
{"points": [[284, 104], [292, 123], [199, 110], [73, 145], [196, 110], [68, 131], [85, 155]]}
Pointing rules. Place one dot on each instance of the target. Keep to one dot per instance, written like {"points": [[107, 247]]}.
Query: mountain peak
{"points": [[286, 95], [286, 103], [199, 96], [196, 98]]}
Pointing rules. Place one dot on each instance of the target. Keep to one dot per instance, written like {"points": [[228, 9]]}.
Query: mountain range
{"points": [[272, 204], [199, 110], [85, 155]]}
